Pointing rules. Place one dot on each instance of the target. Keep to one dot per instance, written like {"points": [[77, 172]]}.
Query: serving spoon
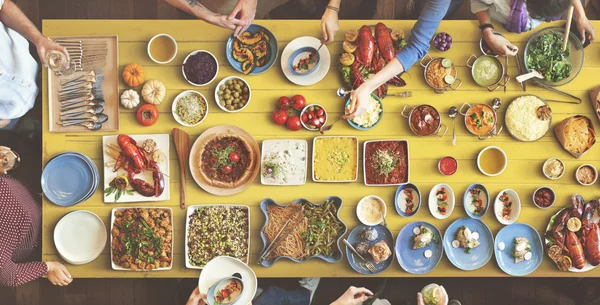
{"points": [[452, 114], [97, 109], [342, 92], [99, 118], [74, 105], [530, 75], [324, 128]]}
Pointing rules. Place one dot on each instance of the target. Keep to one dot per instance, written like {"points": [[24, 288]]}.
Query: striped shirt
{"points": [[20, 233]]}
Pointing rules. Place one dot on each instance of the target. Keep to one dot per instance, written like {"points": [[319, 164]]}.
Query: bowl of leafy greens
{"points": [[544, 54]]}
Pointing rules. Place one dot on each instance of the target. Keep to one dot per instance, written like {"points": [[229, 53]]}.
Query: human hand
{"points": [[353, 296], [45, 45], [58, 274], [247, 11], [443, 295], [196, 298], [329, 25], [359, 102], [586, 29], [499, 45], [223, 21]]}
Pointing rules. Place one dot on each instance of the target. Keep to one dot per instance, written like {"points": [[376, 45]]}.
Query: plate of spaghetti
{"points": [[314, 230]]}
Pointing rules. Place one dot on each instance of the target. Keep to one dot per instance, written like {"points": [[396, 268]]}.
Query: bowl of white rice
{"points": [[528, 118], [371, 117]]}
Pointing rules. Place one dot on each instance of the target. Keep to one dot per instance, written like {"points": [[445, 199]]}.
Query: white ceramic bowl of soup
{"points": [[500, 156], [367, 210], [162, 38]]}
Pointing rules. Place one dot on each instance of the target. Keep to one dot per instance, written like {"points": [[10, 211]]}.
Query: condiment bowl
{"points": [[479, 161], [306, 109], [449, 159], [400, 198], [433, 204], [299, 55], [174, 107], [360, 205], [215, 289], [172, 57], [553, 197], [548, 161], [515, 207], [222, 82], [359, 127], [468, 200], [186, 59], [595, 174]]}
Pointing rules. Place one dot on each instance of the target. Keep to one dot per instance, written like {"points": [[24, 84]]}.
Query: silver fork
{"points": [[401, 94], [368, 264]]}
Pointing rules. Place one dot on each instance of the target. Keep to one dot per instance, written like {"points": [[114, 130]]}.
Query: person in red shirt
{"points": [[20, 232]]}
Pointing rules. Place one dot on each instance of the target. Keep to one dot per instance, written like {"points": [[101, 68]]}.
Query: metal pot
{"points": [[445, 88], [495, 130], [503, 78], [482, 49], [437, 130]]}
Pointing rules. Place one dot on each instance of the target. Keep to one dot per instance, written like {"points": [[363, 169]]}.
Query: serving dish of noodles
{"points": [[314, 230], [190, 108]]}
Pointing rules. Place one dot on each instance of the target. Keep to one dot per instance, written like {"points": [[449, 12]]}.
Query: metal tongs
{"points": [[280, 236]]}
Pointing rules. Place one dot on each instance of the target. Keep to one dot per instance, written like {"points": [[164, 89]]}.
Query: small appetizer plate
{"points": [[477, 257], [513, 206], [383, 233], [446, 201], [474, 202], [402, 197], [416, 261], [505, 258]]}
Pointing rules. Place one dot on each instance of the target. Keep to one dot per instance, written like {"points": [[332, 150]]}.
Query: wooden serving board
{"points": [[110, 87]]}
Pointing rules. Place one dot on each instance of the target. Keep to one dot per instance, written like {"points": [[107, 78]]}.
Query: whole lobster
{"points": [[591, 233], [557, 232], [134, 160], [575, 250], [386, 50]]}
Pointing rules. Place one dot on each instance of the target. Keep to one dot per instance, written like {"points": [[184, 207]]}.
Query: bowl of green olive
{"points": [[233, 94]]}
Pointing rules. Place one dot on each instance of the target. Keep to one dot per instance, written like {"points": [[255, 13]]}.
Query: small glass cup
{"points": [[9, 160], [430, 294], [57, 62]]}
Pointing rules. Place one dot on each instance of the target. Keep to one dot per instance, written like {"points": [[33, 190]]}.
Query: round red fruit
{"points": [[235, 157], [304, 118], [147, 114], [293, 123], [315, 121], [283, 103], [280, 117], [320, 112], [227, 169], [298, 102], [322, 120]]}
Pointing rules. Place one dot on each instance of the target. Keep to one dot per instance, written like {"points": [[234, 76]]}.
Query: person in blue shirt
{"points": [[418, 45]]}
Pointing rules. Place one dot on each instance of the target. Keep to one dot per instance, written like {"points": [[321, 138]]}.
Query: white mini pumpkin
{"points": [[130, 99], [154, 92]]}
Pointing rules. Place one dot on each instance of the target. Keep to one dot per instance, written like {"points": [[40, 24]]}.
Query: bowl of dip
{"points": [[447, 166], [544, 197], [370, 209], [586, 174], [553, 168], [492, 161], [487, 71]]}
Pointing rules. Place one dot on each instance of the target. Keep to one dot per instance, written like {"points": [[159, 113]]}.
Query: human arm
{"points": [[196, 298], [329, 22], [193, 7], [353, 296], [498, 44], [247, 10], [12, 17], [586, 29]]}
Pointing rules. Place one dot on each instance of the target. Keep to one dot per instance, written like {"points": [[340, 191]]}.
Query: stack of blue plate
{"points": [[69, 178]]}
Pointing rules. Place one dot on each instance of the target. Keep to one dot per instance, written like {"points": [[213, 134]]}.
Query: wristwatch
{"points": [[485, 26]]}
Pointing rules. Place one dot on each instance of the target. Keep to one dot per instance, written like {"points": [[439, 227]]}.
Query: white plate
{"points": [[190, 211], [314, 77], [80, 237], [225, 266], [515, 208], [433, 201], [313, 160], [112, 223], [298, 177], [162, 143]]}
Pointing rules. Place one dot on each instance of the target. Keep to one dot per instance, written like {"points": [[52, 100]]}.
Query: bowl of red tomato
{"points": [[313, 116]]}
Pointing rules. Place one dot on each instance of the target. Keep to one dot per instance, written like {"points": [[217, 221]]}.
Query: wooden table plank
{"points": [[523, 173]]}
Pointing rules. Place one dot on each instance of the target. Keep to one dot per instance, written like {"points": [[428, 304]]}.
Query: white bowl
{"points": [[185, 60], [381, 203], [561, 162], [170, 59], [515, 208], [433, 201], [174, 106], [306, 109], [222, 82], [505, 161], [595, 174]]}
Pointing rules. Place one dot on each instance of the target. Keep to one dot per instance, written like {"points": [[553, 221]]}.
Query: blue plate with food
{"points": [[476, 201], [408, 200], [373, 244], [519, 250], [252, 52], [371, 117], [316, 230], [419, 247], [469, 244]]}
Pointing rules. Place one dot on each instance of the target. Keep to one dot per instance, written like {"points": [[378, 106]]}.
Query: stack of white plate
{"points": [[80, 237], [70, 178]]}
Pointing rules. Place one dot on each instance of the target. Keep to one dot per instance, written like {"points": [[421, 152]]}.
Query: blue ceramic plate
{"points": [[400, 199], [478, 256], [96, 176], [468, 201], [337, 255], [272, 50], [67, 179], [506, 261], [372, 126], [299, 54], [354, 237], [414, 261]]}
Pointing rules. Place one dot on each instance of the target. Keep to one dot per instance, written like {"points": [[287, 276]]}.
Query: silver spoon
{"points": [[98, 118], [383, 217], [93, 110], [341, 92], [74, 105], [452, 114], [88, 125], [324, 128]]}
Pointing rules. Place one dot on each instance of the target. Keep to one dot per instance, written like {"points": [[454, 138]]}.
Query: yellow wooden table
{"points": [[523, 173]]}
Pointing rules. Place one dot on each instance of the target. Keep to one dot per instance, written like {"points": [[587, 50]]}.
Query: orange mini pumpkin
{"points": [[133, 75]]}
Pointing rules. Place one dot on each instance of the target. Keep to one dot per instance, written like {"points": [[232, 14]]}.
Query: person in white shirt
{"points": [[519, 16], [18, 69]]}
